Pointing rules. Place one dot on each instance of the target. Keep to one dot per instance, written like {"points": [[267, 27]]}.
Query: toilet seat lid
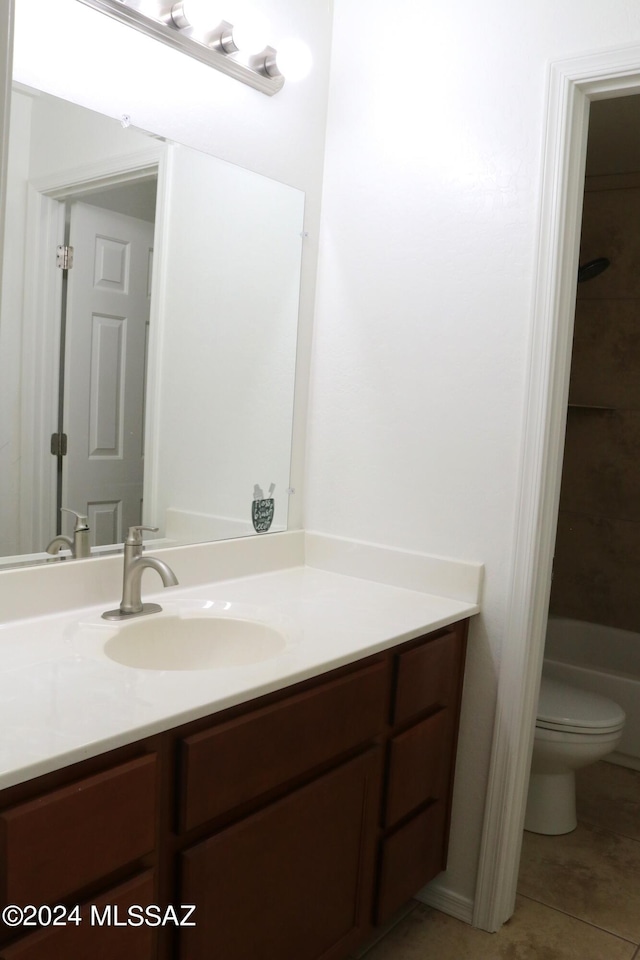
{"points": [[563, 707]]}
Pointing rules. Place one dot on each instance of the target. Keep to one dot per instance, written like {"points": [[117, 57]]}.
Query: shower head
{"points": [[592, 269]]}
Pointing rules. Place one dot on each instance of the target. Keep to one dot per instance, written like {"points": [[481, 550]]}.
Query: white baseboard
{"points": [[623, 760], [447, 901]]}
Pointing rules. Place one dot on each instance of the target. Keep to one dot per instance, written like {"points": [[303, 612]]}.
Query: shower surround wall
{"points": [[597, 562]]}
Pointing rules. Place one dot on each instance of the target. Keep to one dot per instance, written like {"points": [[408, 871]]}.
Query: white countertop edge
{"points": [[96, 748], [334, 613]]}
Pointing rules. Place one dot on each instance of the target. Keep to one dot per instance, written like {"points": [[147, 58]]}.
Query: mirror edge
{"points": [[6, 74]]}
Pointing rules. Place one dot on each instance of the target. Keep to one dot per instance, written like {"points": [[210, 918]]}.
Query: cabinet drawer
{"points": [[108, 942], [292, 881], [411, 857], [418, 766], [66, 839], [426, 676], [238, 761]]}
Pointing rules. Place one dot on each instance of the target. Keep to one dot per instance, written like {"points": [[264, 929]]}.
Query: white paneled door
{"points": [[107, 317]]}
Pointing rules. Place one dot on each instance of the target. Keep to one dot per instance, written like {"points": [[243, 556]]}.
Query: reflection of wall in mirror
{"points": [[228, 344], [11, 331]]}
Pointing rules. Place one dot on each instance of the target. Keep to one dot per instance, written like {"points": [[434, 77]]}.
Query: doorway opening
{"points": [[597, 542], [573, 85], [594, 606]]}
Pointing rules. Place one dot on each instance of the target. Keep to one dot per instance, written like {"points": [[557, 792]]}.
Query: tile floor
{"points": [[578, 895]]}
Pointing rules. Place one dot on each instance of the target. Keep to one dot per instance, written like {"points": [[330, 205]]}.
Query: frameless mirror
{"points": [[148, 328]]}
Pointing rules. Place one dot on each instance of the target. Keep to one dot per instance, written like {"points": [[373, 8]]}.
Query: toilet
{"points": [[574, 728]]}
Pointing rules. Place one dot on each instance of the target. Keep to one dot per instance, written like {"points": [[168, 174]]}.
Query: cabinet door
{"points": [[293, 881]]}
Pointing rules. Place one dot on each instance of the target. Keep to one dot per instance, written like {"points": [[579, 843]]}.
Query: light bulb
{"points": [[294, 59], [201, 15], [148, 7], [250, 27]]}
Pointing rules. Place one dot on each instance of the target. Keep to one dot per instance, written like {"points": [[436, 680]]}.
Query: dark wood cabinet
{"points": [[418, 767], [426, 695], [250, 755], [65, 839], [94, 934], [293, 880], [411, 856], [295, 823]]}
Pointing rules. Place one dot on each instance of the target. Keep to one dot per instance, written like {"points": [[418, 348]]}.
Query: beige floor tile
{"points": [[535, 932], [608, 796], [589, 874]]}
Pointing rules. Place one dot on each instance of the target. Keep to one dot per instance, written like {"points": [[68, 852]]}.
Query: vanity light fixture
{"points": [[181, 26]]}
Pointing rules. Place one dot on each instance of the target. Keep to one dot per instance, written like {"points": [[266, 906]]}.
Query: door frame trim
{"points": [[572, 84], [42, 288]]}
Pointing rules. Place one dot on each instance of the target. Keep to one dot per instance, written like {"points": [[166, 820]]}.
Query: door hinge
{"points": [[64, 256], [59, 444]]}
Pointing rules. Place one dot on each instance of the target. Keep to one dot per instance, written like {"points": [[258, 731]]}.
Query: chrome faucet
{"points": [[79, 546], [134, 566]]}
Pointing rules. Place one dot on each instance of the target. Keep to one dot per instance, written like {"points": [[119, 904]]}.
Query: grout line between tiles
{"points": [[398, 918], [610, 833], [594, 825], [588, 923]]}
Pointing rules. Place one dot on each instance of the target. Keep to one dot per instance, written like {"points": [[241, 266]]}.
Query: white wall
{"points": [[427, 260]]}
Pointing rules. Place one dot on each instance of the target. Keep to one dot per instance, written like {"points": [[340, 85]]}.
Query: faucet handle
{"points": [[81, 521], [134, 537]]}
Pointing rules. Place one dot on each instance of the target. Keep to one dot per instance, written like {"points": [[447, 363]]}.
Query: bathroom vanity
{"points": [[295, 821]]}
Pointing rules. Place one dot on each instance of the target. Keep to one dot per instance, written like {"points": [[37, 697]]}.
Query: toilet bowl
{"points": [[574, 728]]}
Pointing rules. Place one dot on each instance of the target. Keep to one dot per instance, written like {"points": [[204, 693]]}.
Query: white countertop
{"points": [[63, 700]]}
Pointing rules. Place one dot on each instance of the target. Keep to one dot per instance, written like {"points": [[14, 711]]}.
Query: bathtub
{"points": [[605, 660]]}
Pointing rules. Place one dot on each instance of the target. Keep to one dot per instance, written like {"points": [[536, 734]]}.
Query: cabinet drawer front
{"points": [[292, 881], [427, 676], [66, 839], [238, 761], [411, 857], [87, 939], [418, 766]]}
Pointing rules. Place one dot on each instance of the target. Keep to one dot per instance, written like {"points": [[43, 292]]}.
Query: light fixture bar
{"points": [[119, 10]]}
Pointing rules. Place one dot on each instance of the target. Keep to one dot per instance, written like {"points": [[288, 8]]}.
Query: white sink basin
{"points": [[175, 642]]}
